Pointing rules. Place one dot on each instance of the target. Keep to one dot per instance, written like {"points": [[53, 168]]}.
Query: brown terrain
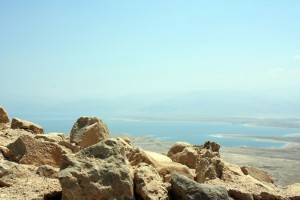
{"points": [[90, 164]]}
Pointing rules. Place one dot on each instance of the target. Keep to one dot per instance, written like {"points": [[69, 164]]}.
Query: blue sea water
{"points": [[189, 131]]}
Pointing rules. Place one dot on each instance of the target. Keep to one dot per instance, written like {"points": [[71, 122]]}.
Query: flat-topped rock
{"points": [[26, 125]]}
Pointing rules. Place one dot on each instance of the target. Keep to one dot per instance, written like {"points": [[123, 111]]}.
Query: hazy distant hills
{"points": [[223, 103]]}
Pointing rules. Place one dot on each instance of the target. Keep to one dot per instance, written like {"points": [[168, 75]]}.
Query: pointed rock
{"points": [[88, 131], [3, 116]]}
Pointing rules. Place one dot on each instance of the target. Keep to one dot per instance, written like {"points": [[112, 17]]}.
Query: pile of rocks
{"points": [[91, 165]]}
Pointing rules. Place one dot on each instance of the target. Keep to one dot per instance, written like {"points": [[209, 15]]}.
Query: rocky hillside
{"points": [[91, 165]]}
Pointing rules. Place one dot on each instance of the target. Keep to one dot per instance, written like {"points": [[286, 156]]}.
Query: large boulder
{"points": [[163, 164], [190, 155], [101, 171], [3, 116], [184, 153], [185, 189], [28, 150], [26, 125], [88, 131], [148, 183]]}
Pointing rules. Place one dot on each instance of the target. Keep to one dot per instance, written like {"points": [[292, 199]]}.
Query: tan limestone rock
{"points": [[149, 184], [28, 150], [161, 163], [4, 119], [26, 125], [101, 170], [88, 131]]}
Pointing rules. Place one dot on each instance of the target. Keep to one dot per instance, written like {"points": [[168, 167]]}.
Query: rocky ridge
{"points": [[91, 165]]}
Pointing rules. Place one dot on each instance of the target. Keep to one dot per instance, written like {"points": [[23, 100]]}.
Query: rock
{"points": [[212, 146], [236, 194], [148, 183], [47, 171], [26, 125], [6, 153], [18, 181], [4, 119], [293, 191], [99, 171], [178, 147], [208, 150], [161, 163], [51, 137], [183, 153], [267, 196], [257, 174], [127, 146], [186, 189], [75, 148], [209, 168], [10, 171], [27, 150], [88, 131]]}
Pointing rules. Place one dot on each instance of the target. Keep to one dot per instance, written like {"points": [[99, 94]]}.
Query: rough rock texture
{"points": [[47, 171], [161, 163], [209, 165], [241, 186], [28, 150], [189, 155], [26, 125], [257, 174], [184, 153], [88, 131], [209, 168], [148, 183], [51, 137], [10, 171], [20, 182], [99, 171], [74, 148], [186, 189], [3, 116]]}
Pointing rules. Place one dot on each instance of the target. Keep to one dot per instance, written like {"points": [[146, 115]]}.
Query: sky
{"points": [[74, 49]]}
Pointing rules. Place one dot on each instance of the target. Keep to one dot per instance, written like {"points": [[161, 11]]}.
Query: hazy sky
{"points": [[71, 49]]}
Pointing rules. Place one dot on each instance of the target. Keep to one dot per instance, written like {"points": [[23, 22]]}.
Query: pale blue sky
{"points": [[73, 49]]}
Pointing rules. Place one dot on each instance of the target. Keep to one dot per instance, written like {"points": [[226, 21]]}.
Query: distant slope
{"points": [[224, 103]]}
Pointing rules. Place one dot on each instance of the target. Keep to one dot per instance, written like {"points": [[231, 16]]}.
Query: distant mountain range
{"points": [[222, 103]]}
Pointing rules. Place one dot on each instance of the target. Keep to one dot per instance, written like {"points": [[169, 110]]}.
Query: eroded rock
{"points": [[161, 163], [10, 171], [101, 170], [148, 183], [186, 189], [257, 174], [26, 125], [4, 119], [47, 171], [28, 150], [184, 153], [88, 131]]}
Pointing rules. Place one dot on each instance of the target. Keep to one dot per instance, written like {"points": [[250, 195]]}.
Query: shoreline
{"points": [[282, 163]]}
